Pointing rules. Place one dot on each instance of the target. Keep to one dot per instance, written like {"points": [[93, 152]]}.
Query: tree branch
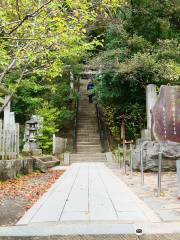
{"points": [[13, 92], [22, 39], [27, 16], [11, 64]]}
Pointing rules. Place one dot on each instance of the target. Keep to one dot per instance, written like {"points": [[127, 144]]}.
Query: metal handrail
{"points": [[76, 120], [100, 128]]}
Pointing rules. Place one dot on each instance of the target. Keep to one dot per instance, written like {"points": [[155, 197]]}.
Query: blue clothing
{"points": [[90, 86]]}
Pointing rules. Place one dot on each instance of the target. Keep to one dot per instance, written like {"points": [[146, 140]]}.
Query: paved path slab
{"points": [[88, 192]]}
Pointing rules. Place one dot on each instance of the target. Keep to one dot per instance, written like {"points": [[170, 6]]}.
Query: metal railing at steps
{"points": [[76, 119], [101, 129]]}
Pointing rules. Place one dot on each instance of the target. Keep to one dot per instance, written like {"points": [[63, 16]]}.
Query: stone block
{"points": [[109, 157], [146, 134], [178, 176], [36, 152], [66, 158], [59, 145], [43, 163], [9, 169], [171, 152], [39, 165], [28, 164]]}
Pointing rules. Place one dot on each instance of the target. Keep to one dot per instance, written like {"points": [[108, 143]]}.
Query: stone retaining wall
{"points": [[11, 168]]}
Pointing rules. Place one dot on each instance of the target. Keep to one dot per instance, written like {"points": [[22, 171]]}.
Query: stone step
{"points": [[88, 140], [91, 139], [86, 154], [87, 159], [86, 126], [87, 115], [80, 146], [89, 151], [87, 123], [93, 130], [94, 143], [87, 136], [87, 120], [83, 108], [85, 129]]}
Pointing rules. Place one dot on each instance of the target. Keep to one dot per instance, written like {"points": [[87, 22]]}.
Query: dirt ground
{"points": [[18, 195]]}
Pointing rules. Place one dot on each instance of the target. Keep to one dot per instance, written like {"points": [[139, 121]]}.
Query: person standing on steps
{"points": [[90, 86]]}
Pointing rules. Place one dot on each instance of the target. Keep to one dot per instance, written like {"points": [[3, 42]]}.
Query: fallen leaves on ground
{"points": [[28, 187]]}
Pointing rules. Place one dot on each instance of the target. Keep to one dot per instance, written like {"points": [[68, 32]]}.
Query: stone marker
{"points": [[59, 145], [109, 157], [9, 117], [66, 158], [166, 115], [151, 98]]}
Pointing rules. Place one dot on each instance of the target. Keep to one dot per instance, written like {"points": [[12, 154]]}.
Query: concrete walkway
{"points": [[89, 192], [88, 199]]}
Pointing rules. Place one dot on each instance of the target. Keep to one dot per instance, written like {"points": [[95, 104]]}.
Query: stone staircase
{"points": [[88, 142]]}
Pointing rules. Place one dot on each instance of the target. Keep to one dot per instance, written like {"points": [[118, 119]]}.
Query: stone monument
{"points": [[31, 131], [166, 115], [163, 129]]}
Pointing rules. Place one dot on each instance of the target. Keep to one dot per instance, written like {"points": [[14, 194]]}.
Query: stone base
{"points": [[178, 177], [109, 157], [66, 158], [146, 134], [171, 152], [36, 152], [26, 153], [11, 168], [43, 163]]}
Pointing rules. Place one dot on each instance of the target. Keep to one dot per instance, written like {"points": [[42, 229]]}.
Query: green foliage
{"points": [[49, 127], [29, 96], [40, 43], [65, 116], [141, 46], [133, 43]]}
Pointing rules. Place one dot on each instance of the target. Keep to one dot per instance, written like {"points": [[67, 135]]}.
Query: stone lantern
{"points": [[31, 131]]}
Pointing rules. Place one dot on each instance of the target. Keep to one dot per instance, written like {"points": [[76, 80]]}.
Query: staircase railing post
{"points": [[76, 119], [100, 127]]}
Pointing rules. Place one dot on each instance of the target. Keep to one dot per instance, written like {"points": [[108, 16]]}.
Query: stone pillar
{"points": [[7, 112], [9, 117], [59, 145], [151, 98], [178, 176]]}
